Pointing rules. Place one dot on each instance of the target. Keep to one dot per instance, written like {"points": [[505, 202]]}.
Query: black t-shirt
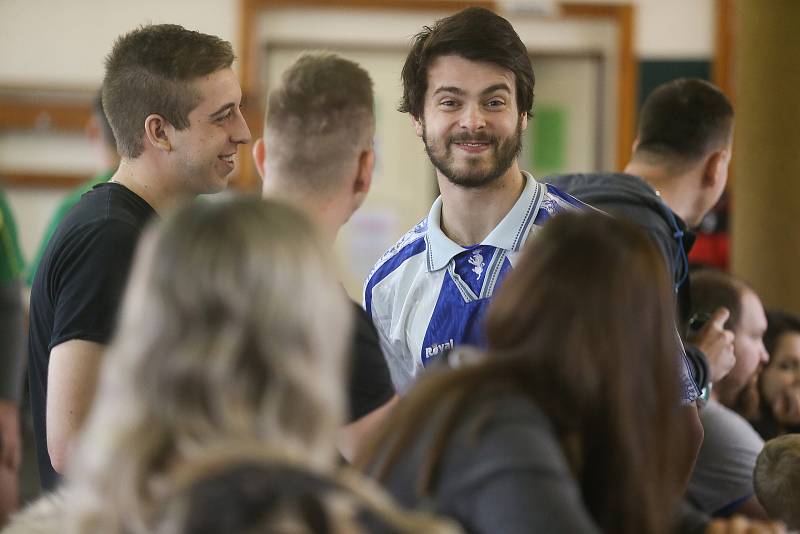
{"points": [[370, 384], [78, 288]]}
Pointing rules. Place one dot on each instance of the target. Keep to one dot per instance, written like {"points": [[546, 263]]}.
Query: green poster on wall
{"points": [[549, 138]]}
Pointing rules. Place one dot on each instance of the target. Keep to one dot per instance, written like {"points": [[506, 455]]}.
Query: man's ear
{"points": [[363, 180], [419, 125], [635, 145], [523, 125], [258, 156], [157, 132], [366, 165], [716, 168]]}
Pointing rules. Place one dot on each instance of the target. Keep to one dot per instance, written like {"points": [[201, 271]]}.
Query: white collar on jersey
{"points": [[510, 234]]}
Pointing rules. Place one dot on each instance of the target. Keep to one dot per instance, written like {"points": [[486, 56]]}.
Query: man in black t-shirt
{"points": [[317, 154], [173, 102]]}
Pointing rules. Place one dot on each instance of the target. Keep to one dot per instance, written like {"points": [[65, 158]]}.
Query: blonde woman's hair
{"points": [[233, 328], [255, 489]]}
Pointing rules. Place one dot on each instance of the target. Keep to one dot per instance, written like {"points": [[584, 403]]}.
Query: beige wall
{"points": [[64, 43], [765, 231]]}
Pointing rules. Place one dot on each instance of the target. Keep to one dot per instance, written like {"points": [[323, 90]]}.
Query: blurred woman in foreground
{"points": [[571, 423], [231, 339]]}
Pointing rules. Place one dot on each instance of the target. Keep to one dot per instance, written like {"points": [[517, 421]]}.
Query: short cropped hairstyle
{"points": [[476, 34], [712, 289], [318, 120], [683, 120], [149, 71], [777, 479]]}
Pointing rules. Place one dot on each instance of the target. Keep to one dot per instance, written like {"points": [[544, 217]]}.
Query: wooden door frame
{"points": [[18, 113], [620, 15], [722, 66]]}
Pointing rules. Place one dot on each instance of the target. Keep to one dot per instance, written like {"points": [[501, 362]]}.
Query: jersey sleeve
{"points": [[689, 388], [90, 282], [377, 310], [401, 375]]}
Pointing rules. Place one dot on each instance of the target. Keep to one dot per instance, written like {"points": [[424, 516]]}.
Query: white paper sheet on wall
{"points": [[370, 234]]}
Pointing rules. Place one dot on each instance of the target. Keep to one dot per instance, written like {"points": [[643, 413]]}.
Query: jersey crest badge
{"points": [[476, 260]]}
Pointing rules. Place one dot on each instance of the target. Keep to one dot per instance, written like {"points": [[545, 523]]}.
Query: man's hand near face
{"points": [[717, 344]]}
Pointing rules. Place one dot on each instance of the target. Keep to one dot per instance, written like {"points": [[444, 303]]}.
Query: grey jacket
{"points": [[630, 198]]}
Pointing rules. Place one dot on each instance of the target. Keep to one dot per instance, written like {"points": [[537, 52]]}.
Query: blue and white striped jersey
{"points": [[427, 293]]}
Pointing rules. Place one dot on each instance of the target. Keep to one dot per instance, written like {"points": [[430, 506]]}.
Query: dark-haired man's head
{"points": [[686, 125], [318, 136], [173, 89], [683, 120], [468, 86], [713, 289], [476, 34]]}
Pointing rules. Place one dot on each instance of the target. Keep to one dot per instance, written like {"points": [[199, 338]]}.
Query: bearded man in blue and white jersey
{"points": [[468, 86]]}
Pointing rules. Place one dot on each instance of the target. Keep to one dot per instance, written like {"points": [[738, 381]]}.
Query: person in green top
{"points": [[98, 130], [11, 359]]}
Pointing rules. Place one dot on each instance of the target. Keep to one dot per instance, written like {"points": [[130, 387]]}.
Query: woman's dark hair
{"points": [[584, 327], [476, 34], [779, 323]]}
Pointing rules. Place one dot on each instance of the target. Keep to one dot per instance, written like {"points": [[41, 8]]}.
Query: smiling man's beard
{"points": [[747, 401], [503, 155]]}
